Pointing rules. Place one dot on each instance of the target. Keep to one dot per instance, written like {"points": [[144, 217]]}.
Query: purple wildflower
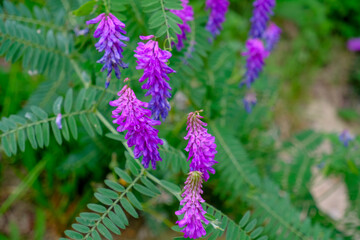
{"points": [[58, 121], [186, 14], [110, 31], [263, 9], [153, 60], [132, 116], [81, 32], [271, 36], [256, 54], [201, 146], [218, 9], [345, 137], [354, 44], [192, 209], [249, 101]]}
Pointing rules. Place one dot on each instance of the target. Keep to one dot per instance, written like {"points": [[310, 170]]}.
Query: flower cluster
{"points": [[202, 150], [263, 9], [218, 9], [249, 101], [186, 14], [353, 44], [346, 137], [256, 54], [201, 146], [153, 60], [110, 31], [130, 114], [192, 209], [271, 36], [257, 50]]}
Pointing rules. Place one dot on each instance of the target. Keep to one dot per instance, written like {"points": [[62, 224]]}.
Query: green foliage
{"points": [[262, 180], [161, 19], [35, 125]]}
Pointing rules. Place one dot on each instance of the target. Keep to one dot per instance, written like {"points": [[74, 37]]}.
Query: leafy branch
{"points": [[22, 14]]}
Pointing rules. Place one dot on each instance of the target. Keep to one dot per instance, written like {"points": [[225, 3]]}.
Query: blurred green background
{"points": [[316, 85]]}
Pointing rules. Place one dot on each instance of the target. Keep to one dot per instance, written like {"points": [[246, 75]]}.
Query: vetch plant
{"points": [[108, 135]]}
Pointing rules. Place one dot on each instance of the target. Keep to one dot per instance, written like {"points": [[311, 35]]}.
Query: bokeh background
{"points": [[314, 84]]}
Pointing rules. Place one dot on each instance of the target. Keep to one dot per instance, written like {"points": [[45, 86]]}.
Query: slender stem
{"points": [[114, 203], [113, 130], [43, 121], [32, 21], [99, 100], [78, 72], [166, 24], [155, 179], [106, 5]]}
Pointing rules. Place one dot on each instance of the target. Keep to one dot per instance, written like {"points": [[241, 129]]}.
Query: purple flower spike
{"points": [[218, 9], [192, 209], [186, 14], [58, 121], [271, 36], [132, 116], [249, 101], [345, 137], [354, 44], [263, 9], [256, 54], [201, 146], [110, 31], [154, 60]]}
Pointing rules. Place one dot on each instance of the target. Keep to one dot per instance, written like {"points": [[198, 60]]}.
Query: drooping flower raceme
{"points": [[271, 36], [192, 209], [201, 146], [256, 54], [249, 101], [132, 116], [346, 137], [153, 60], [186, 14], [111, 33], [218, 9], [263, 9]]}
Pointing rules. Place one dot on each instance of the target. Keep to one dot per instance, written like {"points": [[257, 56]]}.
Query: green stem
{"points": [[113, 130], [24, 185], [166, 24], [78, 72], [114, 203], [32, 44], [99, 100], [106, 5], [42, 121], [32, 21]]}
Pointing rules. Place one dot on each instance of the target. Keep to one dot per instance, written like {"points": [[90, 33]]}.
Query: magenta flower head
{"points": [[218, 9], [354, 44], [154, 60], [192, 209], [271, 36], [110, 31], [346, 137], [256, 54], [249, 101], [263, 9], [186, 14], [201, 146], [130, 114]]}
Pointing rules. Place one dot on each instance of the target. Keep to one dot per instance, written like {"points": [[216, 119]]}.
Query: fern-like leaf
{"points": [[36, 124]]}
